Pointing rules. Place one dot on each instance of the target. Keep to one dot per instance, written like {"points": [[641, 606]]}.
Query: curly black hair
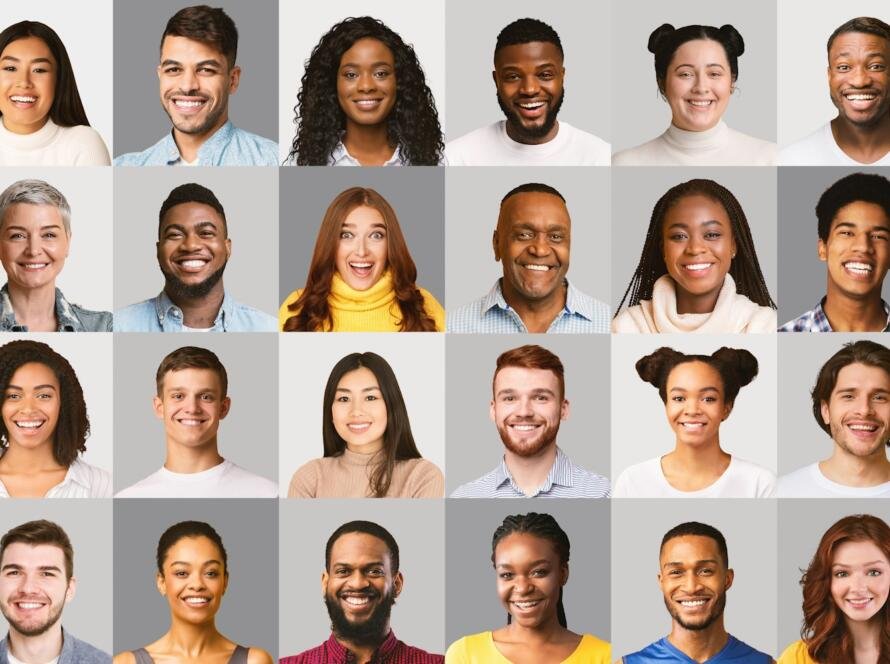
{"points": [[413, 124]]}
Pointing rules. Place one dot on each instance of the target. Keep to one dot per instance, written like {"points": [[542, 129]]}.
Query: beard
{"points": [[546, 438], [876, 118], [704, 623], [532, 133], [33, 629], [178, 289], [210, 121], [372, 630]]}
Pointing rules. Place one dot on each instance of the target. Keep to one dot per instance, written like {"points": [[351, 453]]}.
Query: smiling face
{"points": [[694, 580], [191, 405], [695, 405], [195, 82], [527, 408], [33, 587], [194, 579], [698, 84], [860, 579], [27, 84], [31, 406], [529, 81], [362, 251], [33, 245], [366, 83], [857, 77], [858, 412], [359, 412], [698, 247], [529, 578]]}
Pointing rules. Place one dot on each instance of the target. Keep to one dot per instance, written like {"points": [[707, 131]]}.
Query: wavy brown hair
{"points": [[824, 629], [311, 311]]}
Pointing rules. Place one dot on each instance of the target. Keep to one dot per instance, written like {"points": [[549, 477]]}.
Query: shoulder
{"points": [[93, 321], [752, 151], [466, 318], [126, 657], [596, 151], [796, 653], [146, 157], [424, 480], [243, 483], [813, 150], [645, 154], [637, 481], [762, 319], [759, 482], [466, 646], [258, 656], [98, 480], [305, 480], [805, 482], [148, 487], [315, 654], [484, 487], [250, 319], [592, 646], [87, 145], [256, 150], [461, 151], [590, 484], [632, 320], [136, 317], [85, 653]]}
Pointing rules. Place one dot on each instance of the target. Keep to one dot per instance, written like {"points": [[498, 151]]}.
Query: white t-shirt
{"points": [[225, 480], [820, 149], [490, 146], [741, 479], [809, 482], [52, 145]]}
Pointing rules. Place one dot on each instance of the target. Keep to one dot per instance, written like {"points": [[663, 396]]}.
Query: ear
{"points": [[491, 411], [324, 583], [72, 588], [494, 245], [734, 249], [159, 72], [564, 575], [397, 582], [234, 79], [161, 584], [225, 583], [823, 407], [494, 77], [228, 248], [727, 409], [564, 410], [822, 250], [224, 408], [158, 407], [730, 575]]}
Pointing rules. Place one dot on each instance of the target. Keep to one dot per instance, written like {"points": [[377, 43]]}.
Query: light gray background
{"points": [[636, 191], [803, 100], [800, 529], [803, 278], [138, 26], [249, 534], [473, 202], [640, 429], [639, 111], [90, 614], [247, 435], [585, 33], [801, 440], [248, 195], [639, 616], [306, 362], [86, 277], [88, 49], [299, 31], [416, 194], [418, 617], [473, 603], [474, 446]]}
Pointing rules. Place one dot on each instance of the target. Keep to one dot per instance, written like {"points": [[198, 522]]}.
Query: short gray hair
{"points": [[36, 192]]}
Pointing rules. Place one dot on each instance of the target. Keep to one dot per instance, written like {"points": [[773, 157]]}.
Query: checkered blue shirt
{"points": [[815, 320], [491, 314]]}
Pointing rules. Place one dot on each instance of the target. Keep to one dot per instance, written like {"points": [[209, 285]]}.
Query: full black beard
{"points": [[535, 132], [178, 289], [372, 631]]}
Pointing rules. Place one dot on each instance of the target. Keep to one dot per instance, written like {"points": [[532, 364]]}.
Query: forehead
{"points": [[862, 376], [854, 43], [193, 549], [196, 379], [33, 555], [28, 47], [534, 206], [185, 50], [533, 54], [30, 214], [367, 50], [522, 379], [523, 547], [695, 208], [689, 549], [700, 51], [191, 214], [364, 216], [849, 553], [693, 375], [358, 549], [863, 214], [357, 379], [34, 373]]}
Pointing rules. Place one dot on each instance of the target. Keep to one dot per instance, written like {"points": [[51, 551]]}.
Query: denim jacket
{"points": [[159, 314], [71, 317]]}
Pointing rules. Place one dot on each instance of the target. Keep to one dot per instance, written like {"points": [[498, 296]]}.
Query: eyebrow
{"points": [[871, 54], [375, 563], [376, 224], [704, 389], [198, 226], [528, 225], [710, 64], [200, 390], [36, 387], [851, 224], [42, 568], [23, 228], [683, 224], [212, 61], [538, 390], [541, 561], [364, 389], [379, 63], [15, 59], [706, 561], [188, 564]]}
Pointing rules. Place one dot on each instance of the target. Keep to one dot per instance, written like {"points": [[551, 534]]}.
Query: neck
{"points": [[699, 644], [864, 143], [687, 303], [200, 312], [190, 639], [851, 470], [24, 130], [34, 307], [548, 631], [369, 144], [190, 144], [704, 457], [866, 639], [20, 459], [36, 649], [526, 140], [184, 459], [363, 652], [536, 315], [848, 314], [529, 473]]}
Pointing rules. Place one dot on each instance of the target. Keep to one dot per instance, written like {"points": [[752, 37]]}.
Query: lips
{"points": [[33, 267], [538, 267], [697, 270], [703, 104], [23, 101], [368, 104], [361, 269], [28, 604], [692, 603], [858, 269], [358, 601], [859, 603], [196, 601], [525, 605], [188, 105], [190, 421], [358, 427], [531, 109], [861, 100], [191, 264]]}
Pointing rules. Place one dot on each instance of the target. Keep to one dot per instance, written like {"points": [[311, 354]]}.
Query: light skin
{"points": [[533, 242], [698, 85], [359, 412], [27, 85], [857, 256], [362, 252], [529, 81]]}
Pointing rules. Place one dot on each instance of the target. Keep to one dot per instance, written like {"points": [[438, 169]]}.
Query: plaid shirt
{"points": [[391, 651], [815, 320]]}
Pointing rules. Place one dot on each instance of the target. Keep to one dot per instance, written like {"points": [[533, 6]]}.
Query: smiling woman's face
{"points": [[366, 82], [695, 403], [860, 579], [194, 579], [27, 84], [698, 84], [529, 578]]}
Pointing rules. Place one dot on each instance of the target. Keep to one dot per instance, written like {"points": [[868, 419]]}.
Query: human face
{"points": [[694, 581], [857, 251], [33, 245], [194, 579], [698, 247], [527, 408], [31, 406], [860, 579], [195, 82], [27, 84], [698, 84], [529, 81], [529, 578], [191, 405], [362, 251], [858, 411], [33, 587], [359, 412], [366, 82], [857, 77], [533, 240], [193, 249], [695, 405]]}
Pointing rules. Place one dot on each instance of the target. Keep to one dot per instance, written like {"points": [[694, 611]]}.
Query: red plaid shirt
{"points": [[391, 651]]}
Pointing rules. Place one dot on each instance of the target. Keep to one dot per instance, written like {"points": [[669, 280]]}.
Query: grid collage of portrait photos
{"points": [[622, 261]]}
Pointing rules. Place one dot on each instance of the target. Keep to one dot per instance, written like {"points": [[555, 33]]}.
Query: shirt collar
{"points": [[560, 474], [65, 316], [209, 149], [341, 155], [820, 320], [383, 651], [164, 307], [574, 305]]}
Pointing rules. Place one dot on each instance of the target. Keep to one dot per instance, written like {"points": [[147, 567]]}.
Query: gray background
{"points": [[248, 531], [803, 278], [639, 616], [801, 440], [90, 614], [307, 360], [474, 446], [300, 30], [246, 436], [473, 603], [418, 618], [138, 26], [473, 201], [416, 194], [639, 111], [636, 191], [250, 199], [640, 429], [586, 42]]}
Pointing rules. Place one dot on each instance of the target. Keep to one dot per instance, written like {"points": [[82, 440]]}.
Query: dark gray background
{"points": [[473, 201], [140, 122], [248, 531], [416, 194], [247, 436], [474, 446]]}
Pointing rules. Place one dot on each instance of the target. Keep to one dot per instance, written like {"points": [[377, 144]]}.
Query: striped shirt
{"points": [[391, 651], [565, 480], [491, 314], [815, 320], [81, 481]]}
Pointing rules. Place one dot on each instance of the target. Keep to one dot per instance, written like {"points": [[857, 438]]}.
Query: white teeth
{"points": [[860, 97], [25, 100], [537, 268], [356, 601], [696, 267], [182, 103], [191, 422], [524, 427], [362, 266], [693, 602], [29, 605], [700, 103], [367, 103], [359, 427], [35, 266], [526, 605], [31, 424], [863, 427], [692, 425], [858, 268], [193, 263], [859, 602], [532, 105], [197, 601]]}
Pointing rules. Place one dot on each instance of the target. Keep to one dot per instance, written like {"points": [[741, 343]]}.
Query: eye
{"points": [[874, 572], [211, 71], [50, 235], [508, 398], [506, 576], [713, 235], [9, 68], [557, 237], [180, 573], [172, 70], [375, 571], [525, 235], [342, 399], [207, 397], [879, 236], [542, 398], [176, 395], [45, 396], [381, 74], [706, 571], [346, 235], [371, 397], [678, 399], [378, 235], [547, 75], [12, 396], [16, 236], [709, 399], [843, 68], [541, 572], [212, 573], [877, 66], [677, 237], [350, 75], [841, 574]]}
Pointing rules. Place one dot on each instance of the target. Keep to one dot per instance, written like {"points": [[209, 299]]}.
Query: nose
{"points": [[191, 241], [188, 80], [193, 403], [34, 244], [691, 407], [529, 85], [700, 83], [23, 77], [865, 405], [356, 580], [540, 246], [863, 242], [361, 246], [694, 245], [196, 581], [691, 582], [367, 82], [859, 77]]}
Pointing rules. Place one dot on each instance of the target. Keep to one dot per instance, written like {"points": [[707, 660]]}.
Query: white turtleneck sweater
{"points": [[52, 145]]}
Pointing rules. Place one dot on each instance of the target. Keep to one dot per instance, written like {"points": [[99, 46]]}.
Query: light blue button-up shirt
{"points": [[228, 146], [159, 314]]}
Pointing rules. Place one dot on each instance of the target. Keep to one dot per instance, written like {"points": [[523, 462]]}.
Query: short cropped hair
{"points": [[525, 31], [208, 25], [192, 357], [532, 356], [184, 529], [365, 528], [695, 528], [34, 533], [865, 187], [866, 24], [191, 192], [36, 192], [533, 187]]}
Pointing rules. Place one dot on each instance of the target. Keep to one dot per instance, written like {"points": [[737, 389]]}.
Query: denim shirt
{"points": [[74, 651], [71, 317], [228, 146], [159, 314]]}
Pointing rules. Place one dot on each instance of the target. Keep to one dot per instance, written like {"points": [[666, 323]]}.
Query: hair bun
{"points": [[732, 40], [658, 36], [652, 366], [741, 361]]}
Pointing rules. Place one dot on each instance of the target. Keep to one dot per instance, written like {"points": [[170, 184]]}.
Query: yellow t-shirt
{"points": [[480, 649], [796, 653]]}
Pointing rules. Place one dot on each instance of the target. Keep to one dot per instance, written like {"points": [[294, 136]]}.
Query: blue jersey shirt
{"points": [[662, 651]]}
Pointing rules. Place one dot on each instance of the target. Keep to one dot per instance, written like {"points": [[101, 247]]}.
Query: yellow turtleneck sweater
{"points": [[372, 310]]}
